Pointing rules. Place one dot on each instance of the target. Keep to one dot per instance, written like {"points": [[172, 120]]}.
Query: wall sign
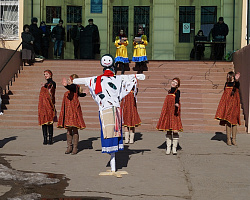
{"points": [[96, 6], [186, 27]]}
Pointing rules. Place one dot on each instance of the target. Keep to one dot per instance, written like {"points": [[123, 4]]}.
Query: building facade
{"points": [[170, 25]]}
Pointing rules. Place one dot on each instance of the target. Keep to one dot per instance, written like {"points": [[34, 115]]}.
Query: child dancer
{"points": [[228, 111], [46, 107], [71, 114], [139, 55], [131, 117], [121, 56], [170, 119]]}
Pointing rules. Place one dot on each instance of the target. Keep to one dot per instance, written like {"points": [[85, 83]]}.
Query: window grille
{"points": [[208, 19], [186, 15], [142, 19], [208, 15], [120, 20], [74, 14], [52, 12], [9, 19]]}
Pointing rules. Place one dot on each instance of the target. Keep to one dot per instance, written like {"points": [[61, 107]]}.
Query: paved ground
{"points": [[204, 169]]}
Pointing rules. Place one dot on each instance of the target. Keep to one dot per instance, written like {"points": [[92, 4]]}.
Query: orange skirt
{"points": [[131, 117], [228, 110], [170, 119], [71, 112], [46, 110]]}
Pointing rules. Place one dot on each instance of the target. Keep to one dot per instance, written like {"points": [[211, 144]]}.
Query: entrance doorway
{"points": [[130, 16]]}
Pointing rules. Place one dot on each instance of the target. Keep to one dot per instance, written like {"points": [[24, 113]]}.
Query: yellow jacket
{"points": [[140, 49], [121, 49]]}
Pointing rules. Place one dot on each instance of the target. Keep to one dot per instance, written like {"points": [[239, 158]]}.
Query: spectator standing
{"points": [[27, 46], [58, 35], [95, 37], [37, 34], [45, 39], [75, 35], [219, 33]]}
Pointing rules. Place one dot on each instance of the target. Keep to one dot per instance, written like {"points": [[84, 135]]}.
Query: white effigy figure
{"points": [[108, 90]]}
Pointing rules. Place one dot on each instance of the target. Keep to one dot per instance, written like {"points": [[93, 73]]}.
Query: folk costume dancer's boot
{"points": [[131, 137], [69, 143], [126, 137], [234, 131], [45, 134], [175, 143], [50, 127], [75, 143], [168, 143], [228, 130]]}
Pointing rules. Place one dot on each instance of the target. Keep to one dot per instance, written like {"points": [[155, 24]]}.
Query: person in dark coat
{"points": [[219, 33], [37, 34], [45, 39], [75, 35], [200, 48], [58, 35], [95, 37], [27, 45]]}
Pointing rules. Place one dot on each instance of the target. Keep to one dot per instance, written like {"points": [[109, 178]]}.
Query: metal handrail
{"points": [[10, 57]]}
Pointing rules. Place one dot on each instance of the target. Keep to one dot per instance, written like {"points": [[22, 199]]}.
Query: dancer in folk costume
{"points": [[131, 118], [228, 111], [170, 119], [46, 107], [121, 56], [140, 55], [108, 90], [71, 113]]}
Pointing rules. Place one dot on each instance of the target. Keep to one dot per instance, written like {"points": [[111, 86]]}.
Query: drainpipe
{"points": [[234, 23], [248, 21], [31, 9]]}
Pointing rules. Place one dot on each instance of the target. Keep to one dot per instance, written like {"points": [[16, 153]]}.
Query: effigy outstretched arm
{"points": [[132, 76], [82, 81]]}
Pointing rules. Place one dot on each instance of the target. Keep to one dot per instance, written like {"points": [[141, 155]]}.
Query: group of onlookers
{"points": [[219, 33], [36, 40]]}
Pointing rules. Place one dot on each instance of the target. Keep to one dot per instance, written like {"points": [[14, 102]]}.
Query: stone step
{"points": [[201, 89], [144, 127]]}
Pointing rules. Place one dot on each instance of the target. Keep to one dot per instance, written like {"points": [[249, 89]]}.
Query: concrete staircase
{"points": [[201, 89]]}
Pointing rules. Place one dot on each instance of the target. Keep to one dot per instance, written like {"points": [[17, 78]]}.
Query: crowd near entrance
{"points": [[175, 30]]}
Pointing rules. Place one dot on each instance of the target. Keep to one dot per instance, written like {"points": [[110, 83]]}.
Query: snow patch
{"points": [[28, 177]]}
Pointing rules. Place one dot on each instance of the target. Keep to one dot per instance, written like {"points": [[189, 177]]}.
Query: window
{"points": [[120, 20], [74, 14], [208, 18], [52, 12], [186, 23], [9, 19], [142, 19]]}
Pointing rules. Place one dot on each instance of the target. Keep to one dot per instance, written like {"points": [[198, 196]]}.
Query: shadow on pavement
{"points": [[61, 137], [219, 136], [6, 140], [138, 136], [86, 144], [122, 157]]}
